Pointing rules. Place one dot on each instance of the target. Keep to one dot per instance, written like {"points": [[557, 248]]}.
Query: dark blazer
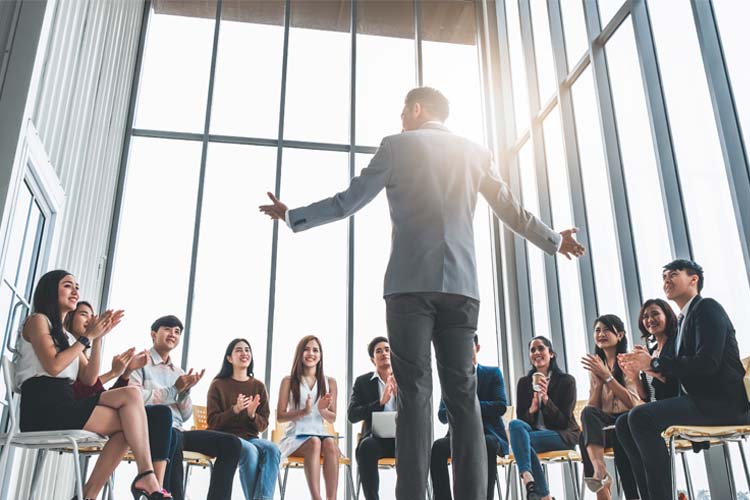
{"points": [[364, 401], [558, 411], [708, 360], [492, 400]]}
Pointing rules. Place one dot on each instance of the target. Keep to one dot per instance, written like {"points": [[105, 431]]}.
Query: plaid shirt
{"points": [[156, 381]]}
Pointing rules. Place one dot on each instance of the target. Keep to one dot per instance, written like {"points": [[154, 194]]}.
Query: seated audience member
{"points": [[238, 404], [123, 364], [163, 383], [159, 417], [307, 398], [373, 392], [658, 326], [709, 373], [546, 400], [611, 394], [491, 395], [50, 360]]}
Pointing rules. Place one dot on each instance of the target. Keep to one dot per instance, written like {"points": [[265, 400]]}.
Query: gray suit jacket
{"points": [[432, 178]]}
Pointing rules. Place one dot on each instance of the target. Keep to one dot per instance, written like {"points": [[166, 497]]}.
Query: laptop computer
{"points": [[384, 424]]}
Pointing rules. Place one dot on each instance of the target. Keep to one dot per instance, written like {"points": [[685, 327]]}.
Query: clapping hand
{"points": [[114, 320], [543, 389], [120, 361], [99, 325], [241, 404], [190, 379], [324, 403], [595, 365], [569, 244], [276, 211], [253, 402], [391, 389], [137, 362], [308, 405]]}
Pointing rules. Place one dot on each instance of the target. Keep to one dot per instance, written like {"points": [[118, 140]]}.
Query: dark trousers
{"points": [[441, 451], [593, 421], [448, 322], [369, 451], [159, 418], [640, 430], [225, 447]]}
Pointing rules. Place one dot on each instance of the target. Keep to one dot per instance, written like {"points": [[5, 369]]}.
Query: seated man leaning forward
{"points": [[162, 382], [373, 392], [493, 403]]}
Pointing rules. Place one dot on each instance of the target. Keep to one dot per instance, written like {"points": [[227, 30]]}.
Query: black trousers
{"points": [[441, 451], [159, 418], [369, 451], [225, 447], [640, 430], [593, 421]]}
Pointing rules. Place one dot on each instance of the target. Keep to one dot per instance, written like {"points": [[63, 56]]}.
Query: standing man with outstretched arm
{"points": [[432, 178]]}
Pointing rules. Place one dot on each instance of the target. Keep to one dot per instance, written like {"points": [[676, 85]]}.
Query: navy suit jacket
{"points": [[492, 400]]}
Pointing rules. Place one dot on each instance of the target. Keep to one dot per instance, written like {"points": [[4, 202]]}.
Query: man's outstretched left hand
{"points": [[276, 211]]}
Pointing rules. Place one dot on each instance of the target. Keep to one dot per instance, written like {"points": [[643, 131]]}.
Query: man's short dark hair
{"points": [[431, 100], [374, 342], [169, 321], [476, 339], [690, 267]]}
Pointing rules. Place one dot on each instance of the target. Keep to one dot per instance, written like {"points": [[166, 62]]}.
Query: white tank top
{"points": [[28, 364], [311, 424]]}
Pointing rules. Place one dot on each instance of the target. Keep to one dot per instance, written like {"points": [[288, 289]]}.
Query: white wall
{"points": [[78, 103]]}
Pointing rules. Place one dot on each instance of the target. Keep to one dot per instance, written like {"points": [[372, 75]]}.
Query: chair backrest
{"points": [[278, 431], [580, 405], [510, 414], [200, 418]]}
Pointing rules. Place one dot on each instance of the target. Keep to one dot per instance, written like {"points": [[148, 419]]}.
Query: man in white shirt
{"points": [[163, 382]]}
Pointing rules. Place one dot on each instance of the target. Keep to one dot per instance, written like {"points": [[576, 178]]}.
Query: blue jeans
{"points": [[259, 468], [526, 442]]}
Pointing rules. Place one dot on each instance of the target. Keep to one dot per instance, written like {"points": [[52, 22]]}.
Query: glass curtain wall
{"points": [[617, 104], [238, 98]]}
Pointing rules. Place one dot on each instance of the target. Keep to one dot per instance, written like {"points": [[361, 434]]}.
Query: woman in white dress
{"points": [[307, 398]]}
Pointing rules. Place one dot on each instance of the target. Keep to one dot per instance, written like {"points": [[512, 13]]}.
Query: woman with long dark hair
{"points": [[238, 404], [50, 360], [160, 431], [612, 392], [546, 400], [658, 326], [307, 398]]}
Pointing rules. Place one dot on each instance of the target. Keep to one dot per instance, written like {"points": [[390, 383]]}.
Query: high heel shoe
{"points": [[139, 494]]}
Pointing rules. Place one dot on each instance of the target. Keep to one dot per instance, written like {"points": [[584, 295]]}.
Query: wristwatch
{"points": [[655, 365], [609, 379], [85, 341]]}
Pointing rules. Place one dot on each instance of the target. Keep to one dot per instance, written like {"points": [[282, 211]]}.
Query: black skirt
{"points": [[47, 404]]}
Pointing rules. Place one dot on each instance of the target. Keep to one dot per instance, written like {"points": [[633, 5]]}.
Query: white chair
{"points": [[61, 441]]}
